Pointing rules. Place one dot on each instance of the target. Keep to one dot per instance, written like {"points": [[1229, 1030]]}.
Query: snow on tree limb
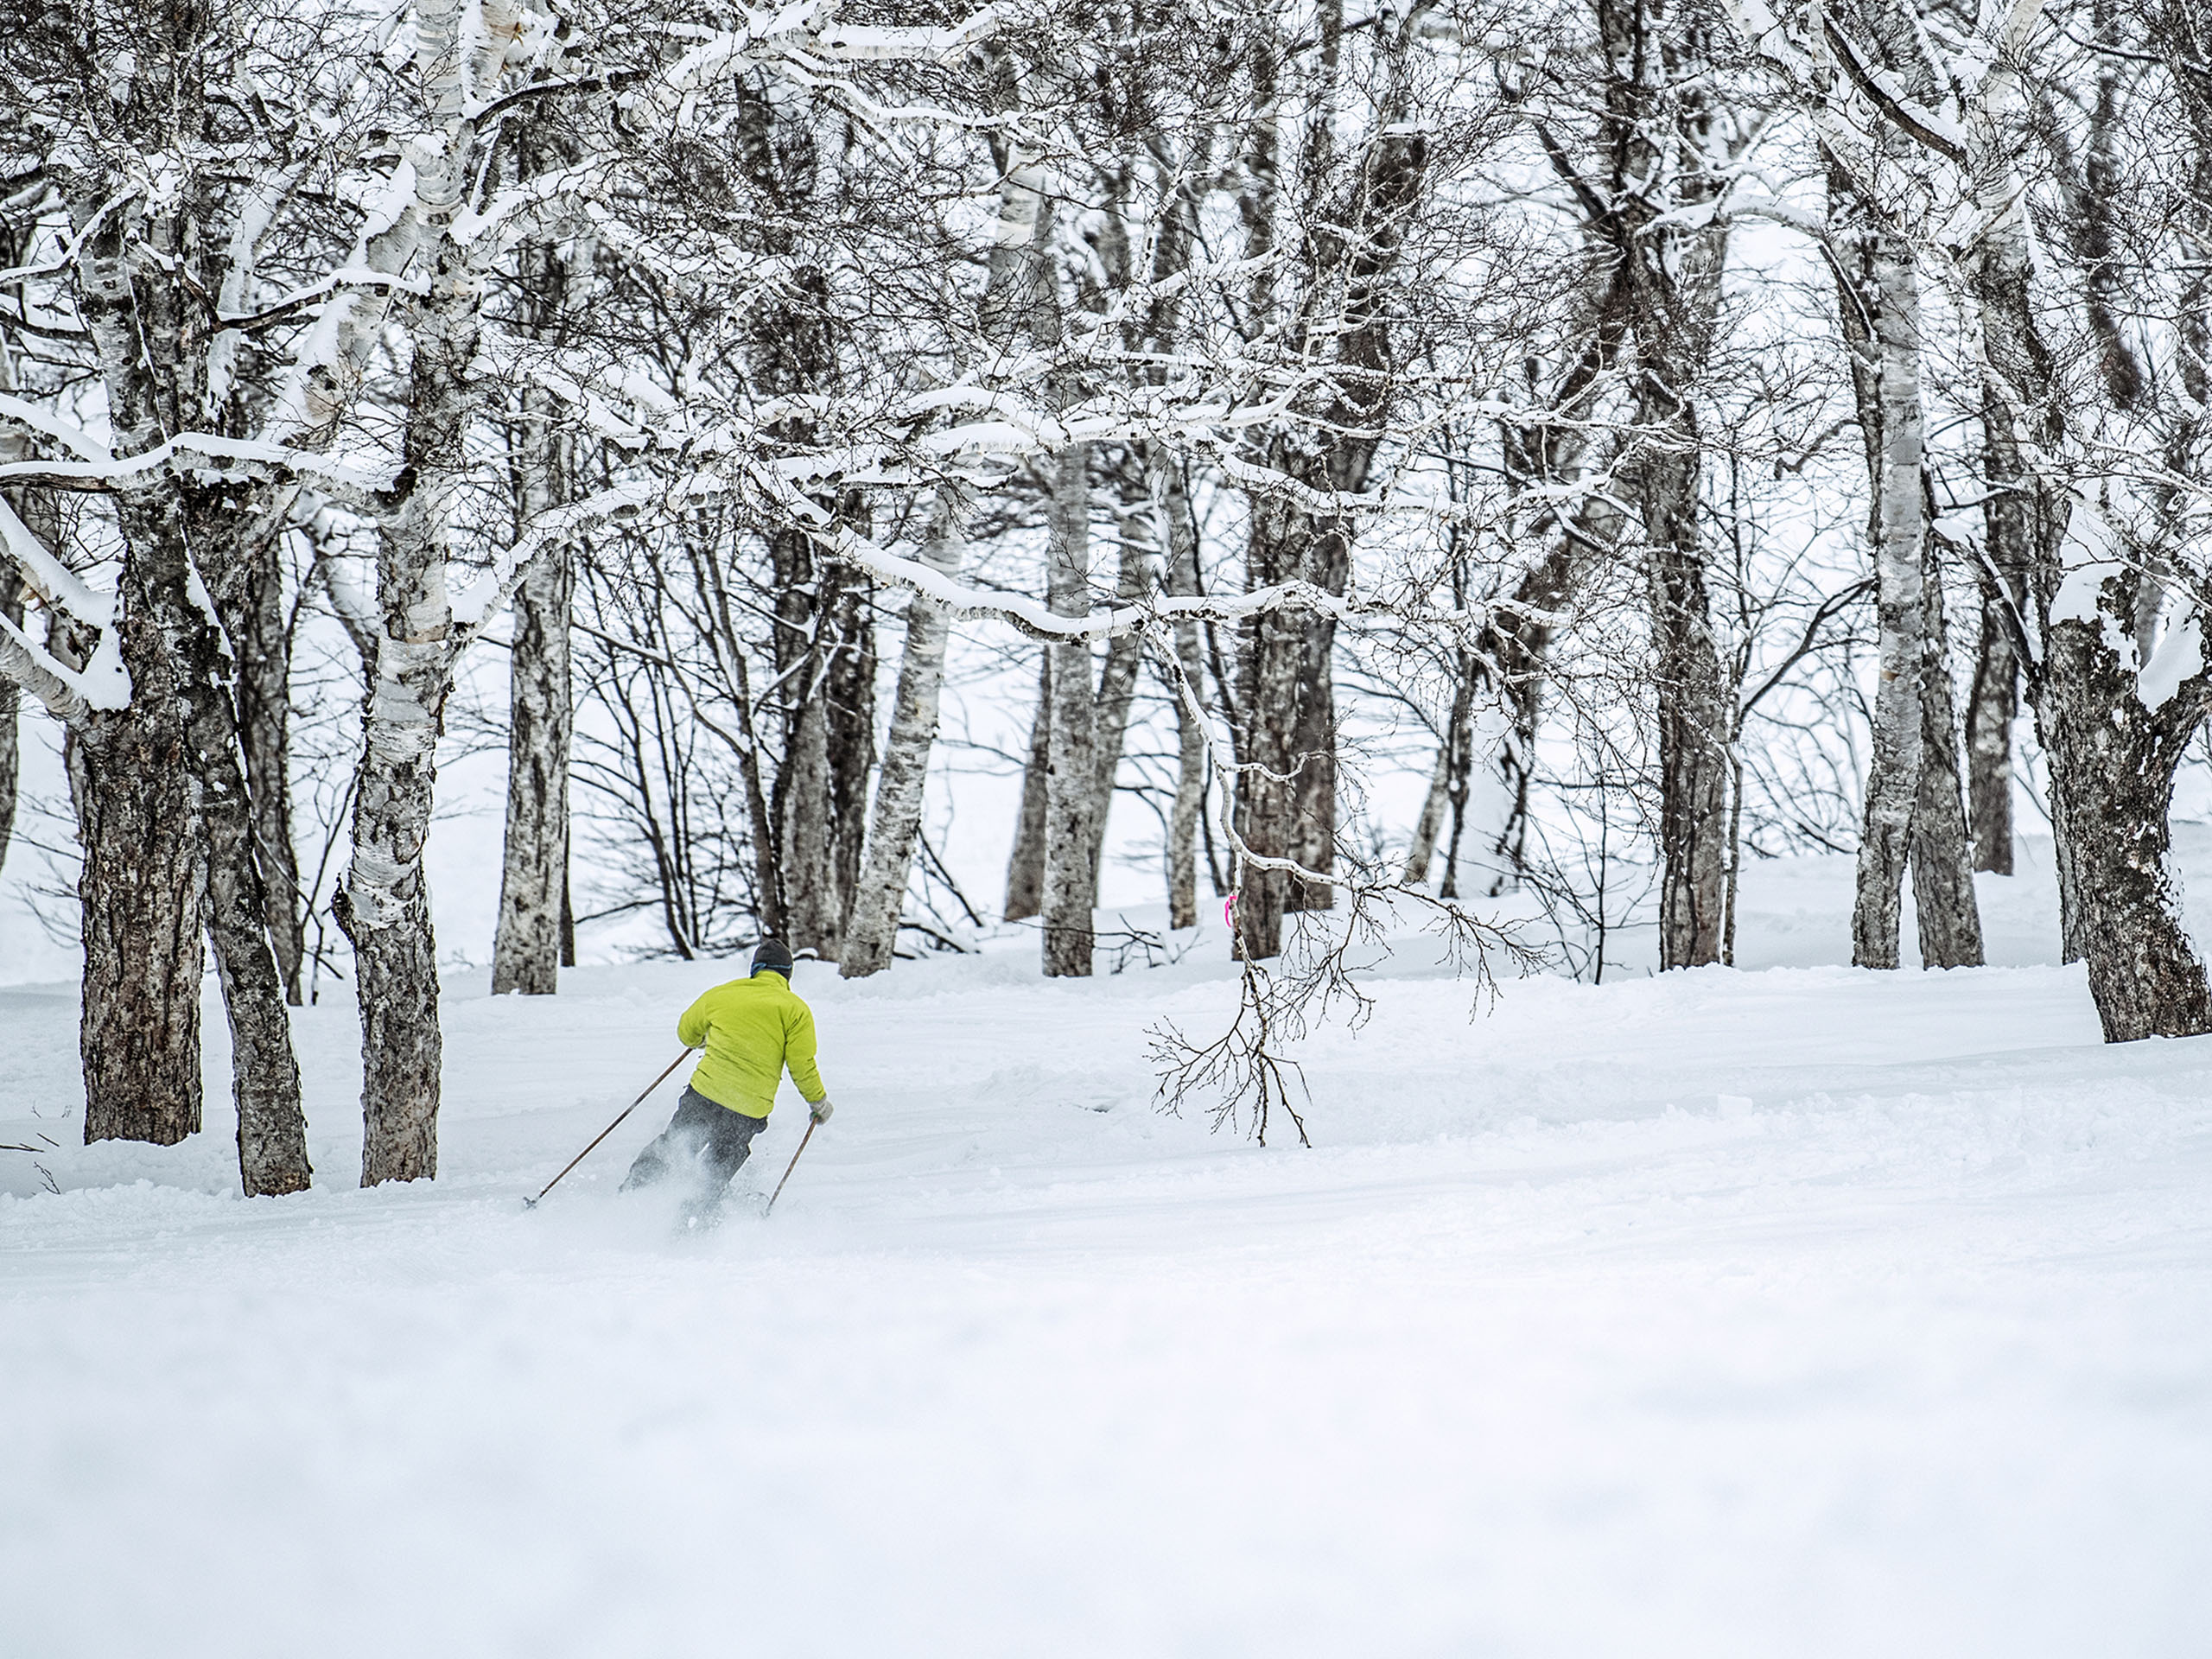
{"points": [[225, 457], [55, 582]]}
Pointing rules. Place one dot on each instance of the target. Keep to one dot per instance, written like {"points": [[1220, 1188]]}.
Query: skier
{"points": [[751, 1030]]}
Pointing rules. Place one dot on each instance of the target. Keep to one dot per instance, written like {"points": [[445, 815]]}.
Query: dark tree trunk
{"points": [[1350, 264], [536, 935], [826, 664], [249, 595], [2113, 758], [34, 508], [1314, 836], [1657, 64], [849, 686], [2113, 765], [1993, 699], [140, 887], [237, 706], [1025, 871], [265, 1076], [1693, 721], [541, 702], [1992, 704], [11, 606], [824, 647], [534, 872], [1273, 651], [165, 816], [1942, 880]]}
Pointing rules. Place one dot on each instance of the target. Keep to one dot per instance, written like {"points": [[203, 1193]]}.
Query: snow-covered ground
{"points": [[1785, 1311]]}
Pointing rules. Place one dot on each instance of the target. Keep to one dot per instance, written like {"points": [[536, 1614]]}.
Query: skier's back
{"points": [[752, 1030]]}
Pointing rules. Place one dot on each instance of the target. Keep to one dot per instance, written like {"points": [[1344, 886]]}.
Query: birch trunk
{"points": [[164, 793], [1347, 260], [1072, 769], [1942, 869], [1025, 869], [14, 446], [1117, 687], [1173, 529], [1273, 649], [264, 1075], [139, 882], [385, 902], [1019, 297], [1994, 701], [2113, 758], [1508, 665], [36, 509], [140, 890], [1693, 721], [1182, 543], [1900, 532], [260, 643], [11, 606], [247, 586], [2112, 763], [872, 933], [848, 689], [534, 872], [1314, 837], [1430, 824], [1992, 704], [820, 793], [1448, 783], [527, 946], [1669, 293]]}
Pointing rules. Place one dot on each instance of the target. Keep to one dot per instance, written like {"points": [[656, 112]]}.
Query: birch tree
{"points": [[166, 191]]}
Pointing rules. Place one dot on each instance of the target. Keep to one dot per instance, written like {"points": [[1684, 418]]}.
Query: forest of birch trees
{"points": [[1668, 432]]}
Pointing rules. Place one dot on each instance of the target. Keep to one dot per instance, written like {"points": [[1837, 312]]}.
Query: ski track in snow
{"points": [[1799, 1312]]}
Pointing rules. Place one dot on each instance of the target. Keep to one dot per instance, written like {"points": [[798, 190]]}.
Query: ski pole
{"points": [[778, 1192], [531, 1203]]}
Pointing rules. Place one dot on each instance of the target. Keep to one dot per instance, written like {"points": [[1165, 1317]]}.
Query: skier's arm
{"points": [[691, 1025], [798, 1057]]}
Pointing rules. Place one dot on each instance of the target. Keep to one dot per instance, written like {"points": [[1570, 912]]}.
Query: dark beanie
{"points": [[770, 953]]}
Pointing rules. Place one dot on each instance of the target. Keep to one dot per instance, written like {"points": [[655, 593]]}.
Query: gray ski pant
{"points": [[705, 1136]]}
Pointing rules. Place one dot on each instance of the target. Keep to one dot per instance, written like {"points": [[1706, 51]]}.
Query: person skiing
{"points": [[752, 1030]]}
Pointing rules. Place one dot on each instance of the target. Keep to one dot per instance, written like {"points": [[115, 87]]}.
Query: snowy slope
{"points": [[1795, 1311]]}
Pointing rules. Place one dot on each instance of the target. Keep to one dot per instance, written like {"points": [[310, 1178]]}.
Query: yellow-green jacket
{"points": [[751, 1029]]}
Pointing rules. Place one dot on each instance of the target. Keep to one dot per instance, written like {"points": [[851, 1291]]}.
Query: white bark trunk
{"points": [[1025, 865], [526, 950], [872, 930], [1431, 822], [1179, 536], [1893, 777], [1117, 684], [1071, 780], [385, 902]]}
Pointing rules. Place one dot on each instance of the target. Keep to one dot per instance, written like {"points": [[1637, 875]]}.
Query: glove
{"points": [[822, 1109]]}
